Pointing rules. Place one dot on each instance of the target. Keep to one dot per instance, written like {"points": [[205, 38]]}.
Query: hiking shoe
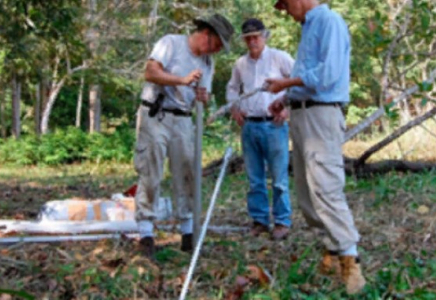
{"points": [[352, 274], [280, 232], [187, 242], [330, 264], [258, 228], [147, 247]]}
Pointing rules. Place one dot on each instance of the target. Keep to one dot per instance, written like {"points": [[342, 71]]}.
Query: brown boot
{"points": [[187, 242], [280, 232], [258, 228], [330, 264], [352, 274], [147, 247]]}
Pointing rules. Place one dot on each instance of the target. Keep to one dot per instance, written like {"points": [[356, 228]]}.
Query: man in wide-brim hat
{"points": [[179, 71]]}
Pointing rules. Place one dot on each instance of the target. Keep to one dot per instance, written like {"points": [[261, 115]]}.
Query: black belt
{"points": [[259, 119], [309, 103], [174, 111]]}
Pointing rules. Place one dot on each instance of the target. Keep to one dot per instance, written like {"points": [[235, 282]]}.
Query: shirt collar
{"points": [[315, 12]]}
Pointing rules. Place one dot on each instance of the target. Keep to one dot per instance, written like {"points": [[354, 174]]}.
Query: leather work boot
{"points": [[258, 228], [330, 265], [280, 232], [352, 274], [147, 247], [187, 242]]}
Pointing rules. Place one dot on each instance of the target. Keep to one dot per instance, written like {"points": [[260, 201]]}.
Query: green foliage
{"points": [[356, 114], [21, 294], [42, 38], [71, 145], [117, 146], [68, 146], [392, 112]]}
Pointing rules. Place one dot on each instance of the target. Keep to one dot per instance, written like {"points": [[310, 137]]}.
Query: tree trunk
{"points": [[54, 91], [38, 109], [2, 113], [79, 102], [16, 99], [94, 108], [45, 92]]}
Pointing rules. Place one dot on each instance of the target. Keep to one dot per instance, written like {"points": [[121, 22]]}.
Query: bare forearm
{"points": [[161, 77], [290, 82]]}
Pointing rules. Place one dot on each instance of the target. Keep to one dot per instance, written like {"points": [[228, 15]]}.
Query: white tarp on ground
{"points": [[90, 218]]}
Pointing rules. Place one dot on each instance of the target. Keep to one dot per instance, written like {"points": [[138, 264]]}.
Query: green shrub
{"points": [[71, 145], [68, 146], [356, 114], [117, 146]]}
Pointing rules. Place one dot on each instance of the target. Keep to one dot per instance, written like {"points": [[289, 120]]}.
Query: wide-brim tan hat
{"points": [[220, 25]]}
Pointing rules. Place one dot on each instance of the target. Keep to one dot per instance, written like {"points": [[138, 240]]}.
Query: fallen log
{"points": [[387, 166], [236, 165]]}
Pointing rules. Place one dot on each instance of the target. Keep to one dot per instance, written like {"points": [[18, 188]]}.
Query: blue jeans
{"points": [[265, 142]]}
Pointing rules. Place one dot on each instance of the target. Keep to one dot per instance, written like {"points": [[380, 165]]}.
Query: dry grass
{"points": [[418, 144]]}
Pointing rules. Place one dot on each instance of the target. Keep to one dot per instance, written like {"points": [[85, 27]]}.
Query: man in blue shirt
{"points": [[317, 89]]}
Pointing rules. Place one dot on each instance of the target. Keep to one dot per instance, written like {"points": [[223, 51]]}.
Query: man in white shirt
{"points": [[178, 72], [264, 138]]}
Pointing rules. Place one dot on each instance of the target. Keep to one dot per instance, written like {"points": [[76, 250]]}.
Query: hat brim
{"points": [[259, 32], [226, 44]]}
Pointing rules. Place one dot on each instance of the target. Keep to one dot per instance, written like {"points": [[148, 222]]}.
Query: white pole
{"points": [[198, 170], [227, 107], [198, 245], [64, 238], [89, 227]]}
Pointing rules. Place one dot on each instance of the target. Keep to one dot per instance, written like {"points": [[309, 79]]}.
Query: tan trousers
{"points": [[317, 135], [170, 137]]}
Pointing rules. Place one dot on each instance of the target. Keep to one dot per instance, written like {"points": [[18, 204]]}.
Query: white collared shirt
{"points": [[249, 74]]}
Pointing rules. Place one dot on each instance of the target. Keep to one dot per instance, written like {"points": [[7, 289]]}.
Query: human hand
{"points": [[274, 85], [192, 77], [280, 118], [238, 116], [201, 94], [276, 107]]}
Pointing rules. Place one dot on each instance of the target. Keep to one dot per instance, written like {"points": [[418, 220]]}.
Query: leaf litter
{"points": [[397, 230]]}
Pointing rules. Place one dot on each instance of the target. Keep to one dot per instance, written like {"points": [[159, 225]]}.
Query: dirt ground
{"points": [[395, 215]]}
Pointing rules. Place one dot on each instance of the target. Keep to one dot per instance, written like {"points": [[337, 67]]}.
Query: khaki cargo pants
{"points": [[317, 135], [156, 139]]}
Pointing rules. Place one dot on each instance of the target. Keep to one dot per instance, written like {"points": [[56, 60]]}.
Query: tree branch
{"points": [[396, 134]]}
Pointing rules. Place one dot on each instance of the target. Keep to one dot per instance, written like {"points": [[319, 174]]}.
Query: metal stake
{"points": [[198, 245], [198, 170]]}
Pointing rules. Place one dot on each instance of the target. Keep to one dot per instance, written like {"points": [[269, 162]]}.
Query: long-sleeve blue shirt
{"points": [[323, 58]]}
